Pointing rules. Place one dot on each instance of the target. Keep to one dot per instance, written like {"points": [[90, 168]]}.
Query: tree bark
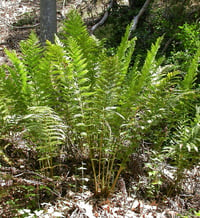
{"points": [[48, 20]]}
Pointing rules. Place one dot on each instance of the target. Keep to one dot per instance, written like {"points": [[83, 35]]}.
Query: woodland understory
{"points": [[103, 125]]}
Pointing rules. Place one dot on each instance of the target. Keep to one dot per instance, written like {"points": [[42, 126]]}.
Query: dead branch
{"points": [[17, 173], [25, 27], [103, 19], [35, 183], [21, 27], [137, 17]]}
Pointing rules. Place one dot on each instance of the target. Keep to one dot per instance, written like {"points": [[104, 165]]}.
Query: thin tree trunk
{"points": [[48, 22]]}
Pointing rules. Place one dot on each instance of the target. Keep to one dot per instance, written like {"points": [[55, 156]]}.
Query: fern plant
{"points": [[109, 107], [184, 147], [101, 105]]}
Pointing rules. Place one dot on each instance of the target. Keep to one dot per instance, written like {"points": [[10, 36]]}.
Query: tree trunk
{"points": [[48, 20]]}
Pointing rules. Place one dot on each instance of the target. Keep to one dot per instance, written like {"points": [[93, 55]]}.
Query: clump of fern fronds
{"points": [[110, 107], [47, 130]]}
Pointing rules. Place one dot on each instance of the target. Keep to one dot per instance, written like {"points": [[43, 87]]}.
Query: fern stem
{"points": [[116, 178]]}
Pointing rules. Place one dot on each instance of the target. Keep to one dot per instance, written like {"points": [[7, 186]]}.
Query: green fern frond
{"points": [[74, 27], [78, 32], [31, 54], [186, 142], [142, 79], [20, 78], [79, 88], [125, 44], [148, 66], [191, 75], [52, 75], [127, 58], [165, 77], [4, 112], [19, 74], [125, 52], [15, 83], [91, 47], [79, 63], [196, 127], [109, 82], [49, 134], [46, 129]]}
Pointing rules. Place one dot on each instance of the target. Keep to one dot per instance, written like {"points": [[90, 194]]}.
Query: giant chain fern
{"points": [[108, 106]]}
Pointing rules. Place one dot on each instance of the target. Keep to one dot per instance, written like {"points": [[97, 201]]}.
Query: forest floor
{"points": [[25, 192]]}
